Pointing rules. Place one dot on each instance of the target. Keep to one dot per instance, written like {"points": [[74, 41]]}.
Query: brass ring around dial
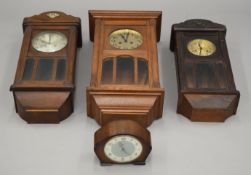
{"points": [[125, 39], [201, 47]]}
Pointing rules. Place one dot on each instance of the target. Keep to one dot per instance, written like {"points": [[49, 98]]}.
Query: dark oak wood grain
{"points": [[206, 85]]}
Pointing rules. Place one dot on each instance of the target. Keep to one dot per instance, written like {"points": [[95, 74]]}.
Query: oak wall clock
{"points": [[124, 95], [44, 82], [206, 85]]}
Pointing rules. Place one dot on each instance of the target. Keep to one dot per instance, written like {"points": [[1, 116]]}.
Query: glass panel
{"points": [[205, 76], [61, 70], [107, 71], [142, 72], [29, 63], [44, 69], [125, 70], [189, 75], [221, 76]]}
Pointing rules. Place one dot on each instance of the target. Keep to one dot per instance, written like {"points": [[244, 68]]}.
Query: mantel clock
{"points": [[124, 95], [206, 85], [44, 82]]}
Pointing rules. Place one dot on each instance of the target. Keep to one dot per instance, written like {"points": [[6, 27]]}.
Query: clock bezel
{"points": [[124, 135], [117, 128], [59, 33], [67, 31], [214, 48], [210, 36], [129, 30]]}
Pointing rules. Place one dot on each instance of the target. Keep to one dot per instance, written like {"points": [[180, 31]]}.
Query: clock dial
{"points": [[49, 41], [123, 148], [125, 39], [201, 47]]}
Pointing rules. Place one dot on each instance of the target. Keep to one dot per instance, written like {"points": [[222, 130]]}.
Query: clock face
{"points": [[125, 39], [49, 41], [201, 47], [123, 148]]}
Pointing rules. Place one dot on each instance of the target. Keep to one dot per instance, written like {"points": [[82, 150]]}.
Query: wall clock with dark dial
{"points": [[206, 85], [44, 82], [124, 95]]}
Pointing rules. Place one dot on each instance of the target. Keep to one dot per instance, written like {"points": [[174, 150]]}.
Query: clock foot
{"points": [[139, 163], [105, 164]]}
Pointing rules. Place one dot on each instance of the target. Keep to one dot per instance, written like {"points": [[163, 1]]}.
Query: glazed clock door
{"points": [[207, 90], [125, 70]]}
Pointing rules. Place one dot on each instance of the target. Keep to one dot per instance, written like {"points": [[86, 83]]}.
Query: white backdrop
{"points": [[180, 147]]}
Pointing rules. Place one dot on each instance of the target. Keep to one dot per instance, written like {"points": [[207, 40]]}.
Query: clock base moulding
{"points": [[43, 107], [143, 106]]}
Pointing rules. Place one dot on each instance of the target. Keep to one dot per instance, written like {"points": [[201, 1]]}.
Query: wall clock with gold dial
{"points": [[206, 85], [124, 88], [44, 83]]}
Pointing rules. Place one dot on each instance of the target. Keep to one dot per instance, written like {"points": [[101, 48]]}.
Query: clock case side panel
{"points": [[122, 127], [46, 102], [197, 104]]}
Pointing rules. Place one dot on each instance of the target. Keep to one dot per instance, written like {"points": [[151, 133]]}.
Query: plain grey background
{"points": [[180, 147]]}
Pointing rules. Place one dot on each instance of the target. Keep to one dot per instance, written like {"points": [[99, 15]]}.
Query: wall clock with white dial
{"points": [[44, 83]]}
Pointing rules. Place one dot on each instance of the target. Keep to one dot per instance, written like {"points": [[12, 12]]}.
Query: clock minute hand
{"points": [[122, 148]]}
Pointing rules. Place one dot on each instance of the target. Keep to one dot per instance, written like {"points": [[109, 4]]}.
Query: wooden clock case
{"points": [[50, 100], [124, 107], [107, 102], [206, 88], [122, 127]]}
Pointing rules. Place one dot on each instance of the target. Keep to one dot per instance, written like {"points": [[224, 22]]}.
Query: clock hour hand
{"points": [[49, 38], [200, 48], [41, 40], [122, 148], [127, 35], [123, 37]]}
